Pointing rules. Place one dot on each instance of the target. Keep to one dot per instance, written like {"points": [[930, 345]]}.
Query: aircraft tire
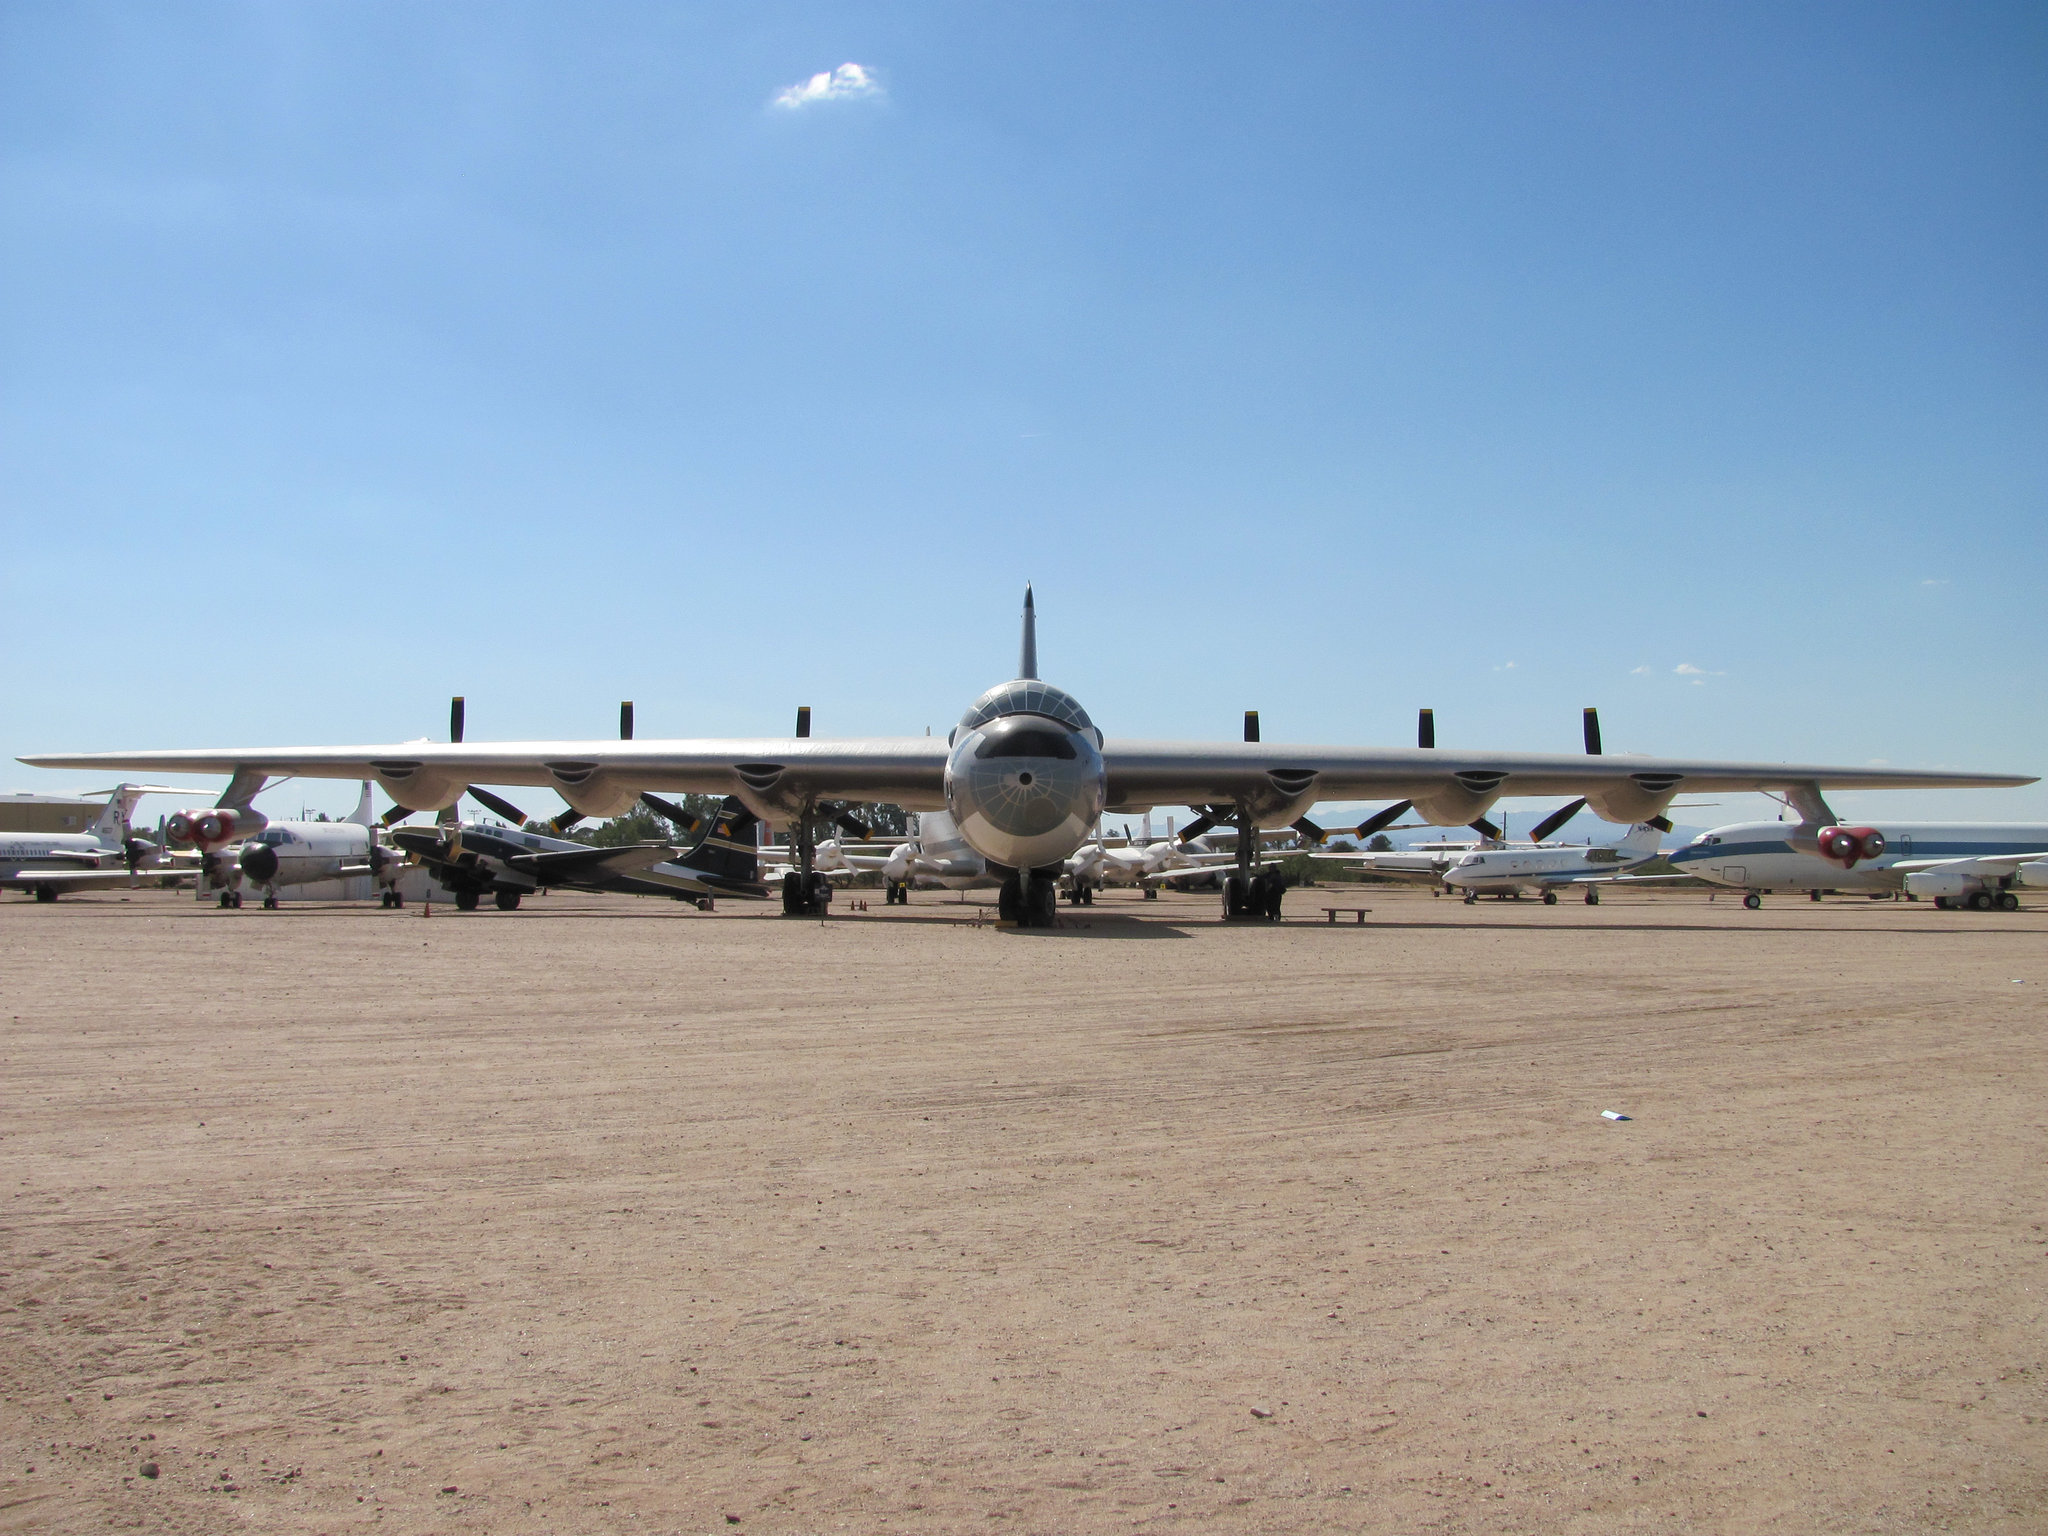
{"points": [[1941, 903], [1087, 895], [2007, 902], [1233, 896], [1471, 898], [793, 894], [1752, 901], [1010, 901], [1045, 904], [45, 893], [397, 899], [1592, 898], [237, 902], [508, 901], [465, 901], [1151, 893], [1980, 901], [1550, 898], [820, 894], [270, 903]]}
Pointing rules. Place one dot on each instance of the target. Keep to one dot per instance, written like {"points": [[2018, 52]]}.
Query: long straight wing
{"points": [[910, 771]]}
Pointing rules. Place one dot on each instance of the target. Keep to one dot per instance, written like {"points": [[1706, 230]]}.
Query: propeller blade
{"points": [[625, 720], [396, 814], [1197, 827], [1379, 819], [504, 808], [1556, 819], [1251, 725], [850, 823], [1592, 731], [1425, 728], [803, 720], [566, 819], [1309, 830], [1485, 828], [1661, 823], [455, 713], [683, 820]]}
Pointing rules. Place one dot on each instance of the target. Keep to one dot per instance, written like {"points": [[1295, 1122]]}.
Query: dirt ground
{"points": [[610, 1215]]}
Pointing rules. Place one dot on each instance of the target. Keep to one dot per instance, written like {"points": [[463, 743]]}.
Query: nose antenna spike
{"points": [[1027, 662]]}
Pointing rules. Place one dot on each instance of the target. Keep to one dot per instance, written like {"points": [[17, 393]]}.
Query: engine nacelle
{"points": [[2035, 873], [1847, 846], [1640, 797], [591, 791], [417, 787], [1460, 803], [1942, 882], [215, 828]]}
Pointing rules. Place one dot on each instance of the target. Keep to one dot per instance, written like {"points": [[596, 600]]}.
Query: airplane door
{"points": [[1904, 846], [1735, 874]]}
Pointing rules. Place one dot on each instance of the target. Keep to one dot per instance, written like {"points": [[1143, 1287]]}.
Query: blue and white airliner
{"points": [[1972, 864]]}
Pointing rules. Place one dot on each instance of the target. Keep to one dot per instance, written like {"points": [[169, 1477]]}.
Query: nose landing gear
{"points": [[1028, 899]]}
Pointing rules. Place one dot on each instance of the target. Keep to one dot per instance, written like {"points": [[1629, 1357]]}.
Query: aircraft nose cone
{"points": [[259, 862]]}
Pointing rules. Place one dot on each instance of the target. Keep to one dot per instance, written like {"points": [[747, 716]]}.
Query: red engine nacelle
{"points": [[207, 830], [1847, 846]]}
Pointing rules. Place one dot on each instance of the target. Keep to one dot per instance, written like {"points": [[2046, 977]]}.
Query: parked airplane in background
{"points": [[299, 853], [1957, 863], [475, 859], [1512, 871], [1025, 776], [935, 854], [106, 856]]}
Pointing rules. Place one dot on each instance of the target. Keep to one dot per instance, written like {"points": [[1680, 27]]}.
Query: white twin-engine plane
{"points": [[1025, 775]]}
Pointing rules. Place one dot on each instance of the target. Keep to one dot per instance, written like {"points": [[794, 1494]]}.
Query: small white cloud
{"points": [[1639, 671], [1687, 669], [849, 82], [1935, 581], [1506, 666]]}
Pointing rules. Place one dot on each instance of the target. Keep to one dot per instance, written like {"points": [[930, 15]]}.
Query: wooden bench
{"points": [[1332, 912]]}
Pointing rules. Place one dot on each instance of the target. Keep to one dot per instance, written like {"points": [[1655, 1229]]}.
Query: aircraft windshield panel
{"points": [[1027, 696]]}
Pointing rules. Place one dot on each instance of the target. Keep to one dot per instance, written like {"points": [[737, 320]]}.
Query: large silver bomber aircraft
{"points": [[1024, 775]]}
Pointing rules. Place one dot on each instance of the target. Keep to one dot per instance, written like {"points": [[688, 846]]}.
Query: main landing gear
{"points": [[1752, 901], [805, 895], [230, 899], [393, 899], [1254, 898], [896, 893], [1029, 899], [466, 901], [508, 901], [1592, 896], [1081, 896], [1550, 898]]}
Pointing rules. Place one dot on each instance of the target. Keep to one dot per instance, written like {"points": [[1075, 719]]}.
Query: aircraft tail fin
{"points": [[1027, 661], [726, 851], [1643, 840], [112, 825], [362, 815]]}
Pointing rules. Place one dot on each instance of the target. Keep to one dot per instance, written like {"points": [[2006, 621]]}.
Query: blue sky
{"points": [[1328, 360]]}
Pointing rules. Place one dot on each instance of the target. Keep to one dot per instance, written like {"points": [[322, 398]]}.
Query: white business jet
{"points": [[106, 856], [1504, 871], [1024, 778]]}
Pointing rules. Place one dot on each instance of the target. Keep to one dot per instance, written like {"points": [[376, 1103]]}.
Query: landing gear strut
{"points": [[1248, 896], [805, 892], [1029, 898]]}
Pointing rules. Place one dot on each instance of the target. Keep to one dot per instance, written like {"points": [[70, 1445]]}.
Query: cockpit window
{"points": [[1027, 696], [1021, 738]]}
